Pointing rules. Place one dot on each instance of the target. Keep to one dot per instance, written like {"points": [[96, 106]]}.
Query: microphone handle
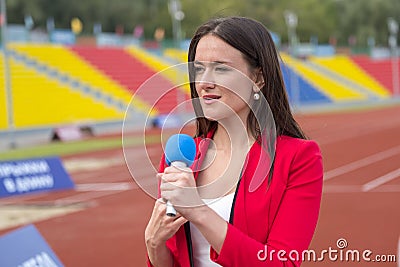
{"points": [[170, 208]]}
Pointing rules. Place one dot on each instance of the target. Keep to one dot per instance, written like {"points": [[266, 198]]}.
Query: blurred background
{"points": [[69, 69]]}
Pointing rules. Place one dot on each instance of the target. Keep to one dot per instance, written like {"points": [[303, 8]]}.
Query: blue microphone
{"points": [[180, 152]]}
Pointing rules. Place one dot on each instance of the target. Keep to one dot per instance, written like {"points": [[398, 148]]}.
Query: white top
{"points": [[201, 247]]}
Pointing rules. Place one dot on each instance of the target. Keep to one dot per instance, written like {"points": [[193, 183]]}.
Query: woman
{"points": [[246, 220]]}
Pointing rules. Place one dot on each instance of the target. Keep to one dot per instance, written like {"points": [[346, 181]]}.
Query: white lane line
{"points": [[91, 164], [381, 180], [100, 176], [111, 190], [361, 163], [20, 198], [84, 197], [358, 189], [341, 188], [105, 187], [88, 192]]}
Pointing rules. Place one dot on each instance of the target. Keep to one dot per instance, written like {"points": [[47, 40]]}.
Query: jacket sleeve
{"points": [[294, 224]]}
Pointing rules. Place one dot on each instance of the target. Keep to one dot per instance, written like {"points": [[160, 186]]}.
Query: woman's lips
{"points": [[209, 99]]}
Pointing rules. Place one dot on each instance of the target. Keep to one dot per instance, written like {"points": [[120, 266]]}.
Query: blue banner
{"points": [[26, 247], [33, 175]]}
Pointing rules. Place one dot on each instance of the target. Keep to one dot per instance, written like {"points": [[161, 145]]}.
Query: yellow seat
{"points": [[333, 89], [67, 62], [41, 101], [345, 67]]}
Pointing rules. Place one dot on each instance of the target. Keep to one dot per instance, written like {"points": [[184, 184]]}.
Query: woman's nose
{"points": [[206, 80]]}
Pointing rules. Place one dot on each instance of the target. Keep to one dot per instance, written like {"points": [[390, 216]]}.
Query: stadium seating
{"points": [[3, 110], [380, 70], [346, 68], [174, 73], [330, 87], [300, 91], [40, 101], [68, 63], [176, 54], [131, 74], [50, 82]]}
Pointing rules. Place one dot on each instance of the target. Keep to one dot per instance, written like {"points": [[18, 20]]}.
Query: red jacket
{"points": [[281, 216]]}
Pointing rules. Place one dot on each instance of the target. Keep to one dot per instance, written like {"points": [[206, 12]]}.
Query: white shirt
{"points": [[201, 247]]}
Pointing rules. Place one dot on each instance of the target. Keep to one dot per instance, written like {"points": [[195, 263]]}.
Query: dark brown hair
{"points": [[253, 40]]}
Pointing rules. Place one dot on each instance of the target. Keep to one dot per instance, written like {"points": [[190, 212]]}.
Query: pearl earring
{"points": [[256, 96]]}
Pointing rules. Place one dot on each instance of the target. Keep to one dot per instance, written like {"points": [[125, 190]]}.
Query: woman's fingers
{"points": [[173, 169], [161, 227], [179, 221], [159, 211], [159, 208], [172, 177]]}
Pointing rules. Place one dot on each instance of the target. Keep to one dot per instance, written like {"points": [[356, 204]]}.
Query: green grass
{"points": [[71, 148]]}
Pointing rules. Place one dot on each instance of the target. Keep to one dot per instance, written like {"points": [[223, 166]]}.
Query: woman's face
{"points": [[222, 79]]}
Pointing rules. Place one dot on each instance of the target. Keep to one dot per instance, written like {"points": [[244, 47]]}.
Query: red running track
{"points": [[360, 203]]}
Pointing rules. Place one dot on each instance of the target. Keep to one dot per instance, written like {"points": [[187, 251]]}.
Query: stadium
{"points": [[84, 104]]}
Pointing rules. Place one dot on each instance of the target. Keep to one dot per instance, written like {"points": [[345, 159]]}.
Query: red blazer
{"points": [[281, 216]]}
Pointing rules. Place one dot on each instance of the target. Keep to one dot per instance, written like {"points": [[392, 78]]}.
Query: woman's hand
{"points": [[159, 229], [179, 187]]}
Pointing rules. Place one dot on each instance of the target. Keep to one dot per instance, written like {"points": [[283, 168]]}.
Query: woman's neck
{"points": [[232, 135]]}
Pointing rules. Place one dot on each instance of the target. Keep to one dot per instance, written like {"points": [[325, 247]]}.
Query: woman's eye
{"points": [[221, 69], [198, 69]]}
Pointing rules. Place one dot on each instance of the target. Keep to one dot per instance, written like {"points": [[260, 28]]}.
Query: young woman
{"points": [[238, 207]]}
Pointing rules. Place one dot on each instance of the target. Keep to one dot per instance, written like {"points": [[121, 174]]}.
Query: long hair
{"points": [[253, 40]]}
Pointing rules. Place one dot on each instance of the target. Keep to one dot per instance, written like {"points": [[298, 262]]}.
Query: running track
{"points": [[360, 202]]}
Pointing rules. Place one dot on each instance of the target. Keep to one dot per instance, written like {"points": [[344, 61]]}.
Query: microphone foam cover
{"points": [[180, 147]]}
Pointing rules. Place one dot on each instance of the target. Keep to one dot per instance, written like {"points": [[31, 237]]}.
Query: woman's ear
{"points": [[259, 80], [261, 83]]}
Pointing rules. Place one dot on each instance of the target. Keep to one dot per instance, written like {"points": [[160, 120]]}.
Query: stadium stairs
{"points": [[306, 93], [380, 70], [342, 69], [59, 63], [3, 100], [132, 74], [40, 101], [334, 89], [176, 54], [175, 71], [104, 80]]}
